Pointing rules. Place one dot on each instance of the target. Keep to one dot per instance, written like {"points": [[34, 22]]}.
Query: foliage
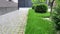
{"points": [[57, 2], [33, 7], [37, 2], [42, 8], [37, 25], [33, 1], [56, 17]]}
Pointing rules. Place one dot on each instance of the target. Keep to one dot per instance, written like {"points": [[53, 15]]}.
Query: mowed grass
{"points": [[37, 25]]}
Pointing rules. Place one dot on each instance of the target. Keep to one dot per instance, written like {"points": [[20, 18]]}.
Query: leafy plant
{"points": [[42, 8], [33, 7], [56, 17]]}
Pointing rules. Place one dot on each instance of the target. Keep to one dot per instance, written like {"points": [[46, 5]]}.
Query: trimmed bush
{"points": [[42, 8], [33, 7]]}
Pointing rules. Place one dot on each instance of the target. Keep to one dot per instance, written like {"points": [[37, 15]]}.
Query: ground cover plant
{"points": [[37, 25]]}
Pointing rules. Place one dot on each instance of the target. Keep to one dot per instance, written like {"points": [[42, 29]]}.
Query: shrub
{"points": [[33, 7], [42, 8], [56, 17]]}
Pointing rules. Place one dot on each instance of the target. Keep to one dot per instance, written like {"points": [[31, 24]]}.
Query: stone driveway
{"points": [[14, 22]]}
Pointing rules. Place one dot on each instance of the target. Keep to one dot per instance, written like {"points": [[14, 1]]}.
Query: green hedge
{"points": [[42, 8]]}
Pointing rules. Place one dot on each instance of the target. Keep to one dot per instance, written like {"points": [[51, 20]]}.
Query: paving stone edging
{"points": [[23, 26]]}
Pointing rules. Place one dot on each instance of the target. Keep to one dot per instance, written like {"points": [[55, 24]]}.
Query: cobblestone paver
{"points": [[23, 14], [14, 22]]}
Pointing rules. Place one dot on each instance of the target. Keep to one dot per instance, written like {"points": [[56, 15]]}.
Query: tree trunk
{"points": [[51, 7], [49, 3]]}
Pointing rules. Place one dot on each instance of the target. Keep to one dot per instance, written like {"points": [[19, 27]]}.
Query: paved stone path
{"points": [[23, 14], [13, 22]]}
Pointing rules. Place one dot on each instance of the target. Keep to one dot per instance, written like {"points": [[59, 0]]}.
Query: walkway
{"points": [[13, 22], [23, 19]]}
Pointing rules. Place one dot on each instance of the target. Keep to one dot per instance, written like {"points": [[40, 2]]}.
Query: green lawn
{"points": [[37, 25]]}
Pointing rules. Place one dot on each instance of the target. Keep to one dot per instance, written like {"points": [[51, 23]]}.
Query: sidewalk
{"points": [[14, 22], [23, 14]]}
